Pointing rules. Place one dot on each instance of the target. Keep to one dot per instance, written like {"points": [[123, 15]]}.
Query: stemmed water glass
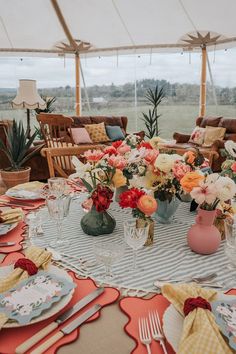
{"points": [[57, 186], [108, 253], [135, 237], [34, 222], [58, 209]]}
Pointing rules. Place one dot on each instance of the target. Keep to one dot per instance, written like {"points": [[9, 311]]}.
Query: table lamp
{"points": [[28, 97]]}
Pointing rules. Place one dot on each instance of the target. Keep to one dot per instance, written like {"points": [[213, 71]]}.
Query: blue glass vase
{"points": [[166, 210]]}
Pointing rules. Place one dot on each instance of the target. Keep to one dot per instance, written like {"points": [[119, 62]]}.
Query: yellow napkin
{"points": [[9, 216], [201, 334], [42, 260]]}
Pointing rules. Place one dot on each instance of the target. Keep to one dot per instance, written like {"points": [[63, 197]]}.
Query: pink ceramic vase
{"points": [[203, 237]]}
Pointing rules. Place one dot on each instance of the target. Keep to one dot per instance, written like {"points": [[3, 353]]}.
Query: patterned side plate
{"points": [[225, 314], [36, 299]]}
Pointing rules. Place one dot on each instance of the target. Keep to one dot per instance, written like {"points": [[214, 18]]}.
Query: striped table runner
{"points": [[169, 256]]}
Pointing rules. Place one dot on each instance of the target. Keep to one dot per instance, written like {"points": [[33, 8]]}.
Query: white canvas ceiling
{"points": [[114, 26]]}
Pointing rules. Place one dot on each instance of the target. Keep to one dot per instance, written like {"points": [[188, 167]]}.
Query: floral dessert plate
{"points": [[173, 321], [37, 298]]}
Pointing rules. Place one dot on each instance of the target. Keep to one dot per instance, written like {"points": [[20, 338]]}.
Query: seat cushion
{"points": [[81, 136], [208, 121], [114, 132], [107, 120], [212, 134], [97, 132]]}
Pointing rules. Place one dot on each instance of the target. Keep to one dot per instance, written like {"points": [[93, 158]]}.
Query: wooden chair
{"points": [[56, 129], [55, 157]]}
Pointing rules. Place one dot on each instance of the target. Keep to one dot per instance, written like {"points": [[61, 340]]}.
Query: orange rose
{"points": [[191, 180], [147, 205], [190, 156]]}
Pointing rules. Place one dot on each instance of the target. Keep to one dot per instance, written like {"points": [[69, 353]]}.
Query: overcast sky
{"points": [[55, 72]]}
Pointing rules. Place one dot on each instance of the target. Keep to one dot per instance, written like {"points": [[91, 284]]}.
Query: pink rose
{"points": [[180, 169], [233, 167], [93, 156], [117, 162], [151, 156], [123, 149]]}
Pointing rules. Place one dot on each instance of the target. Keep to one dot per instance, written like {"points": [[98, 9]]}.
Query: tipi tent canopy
{"points": [[108, 26]]}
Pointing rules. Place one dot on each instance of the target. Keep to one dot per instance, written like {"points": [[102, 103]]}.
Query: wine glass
{"points": [[135, 237], [58, 209], [108, 253], [57, 186], [34, 222]]}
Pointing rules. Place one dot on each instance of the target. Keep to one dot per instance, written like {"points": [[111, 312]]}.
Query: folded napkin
{"points": [[201, 334], [41, 259], [10, 216]]}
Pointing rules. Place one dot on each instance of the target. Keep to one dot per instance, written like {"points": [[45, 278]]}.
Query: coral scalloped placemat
{"points": [[10, 338], [134, 308], [15, 235]]}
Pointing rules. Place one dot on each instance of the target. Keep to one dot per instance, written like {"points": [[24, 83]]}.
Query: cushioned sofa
{"points": [[38, 163], [212, 152]]}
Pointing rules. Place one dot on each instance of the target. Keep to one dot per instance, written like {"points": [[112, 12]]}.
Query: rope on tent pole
{"points": [[85, 88], [212, 81]]}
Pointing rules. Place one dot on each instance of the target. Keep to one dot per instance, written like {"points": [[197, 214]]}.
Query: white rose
{"points": [[212, 178], [164, 162], [226, 188]]}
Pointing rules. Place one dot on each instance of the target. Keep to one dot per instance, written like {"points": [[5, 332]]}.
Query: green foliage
{"points": [[17, 147], [154, 98], [49, 105]]}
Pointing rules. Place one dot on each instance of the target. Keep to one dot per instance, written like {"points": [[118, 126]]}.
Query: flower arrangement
{"points": [[228, 167], [102, 197], [142, 204], [209, 190]]}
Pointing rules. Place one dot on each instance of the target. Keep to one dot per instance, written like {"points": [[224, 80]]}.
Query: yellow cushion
{"points": [[212, 134], [97, 132]]}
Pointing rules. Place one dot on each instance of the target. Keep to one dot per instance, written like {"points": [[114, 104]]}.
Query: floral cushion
{"points": [[197, 136], [97, 132], [212, 134]]}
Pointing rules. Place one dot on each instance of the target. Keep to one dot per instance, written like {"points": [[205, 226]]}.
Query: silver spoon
{"points": [[201, 279]]}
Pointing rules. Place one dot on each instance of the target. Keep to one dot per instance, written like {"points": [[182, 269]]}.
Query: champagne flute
{"points": [[135, 237], [58, 209]]}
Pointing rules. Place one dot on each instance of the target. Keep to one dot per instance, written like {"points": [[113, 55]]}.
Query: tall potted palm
{"points": [[18, 151]]}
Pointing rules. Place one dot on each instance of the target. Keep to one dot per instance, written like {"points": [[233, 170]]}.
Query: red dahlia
{"points": [[102, 198], [130, 198]]}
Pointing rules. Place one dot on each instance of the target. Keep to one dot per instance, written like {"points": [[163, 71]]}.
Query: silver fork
{"points": [[156, 329], [144, 333]]}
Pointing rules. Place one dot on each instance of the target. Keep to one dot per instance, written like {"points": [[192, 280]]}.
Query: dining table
{"points": [[168, 257]]}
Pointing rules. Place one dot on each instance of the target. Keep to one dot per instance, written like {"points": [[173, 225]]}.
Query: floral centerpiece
{"points": [[143, 206], [208, 191], [228, 167]]}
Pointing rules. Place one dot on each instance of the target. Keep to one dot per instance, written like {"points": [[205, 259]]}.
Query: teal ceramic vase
{"points": [[166, 210], [94, 223]]}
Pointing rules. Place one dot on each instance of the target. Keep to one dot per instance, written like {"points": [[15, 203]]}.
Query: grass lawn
{"points": [[173, 118]]}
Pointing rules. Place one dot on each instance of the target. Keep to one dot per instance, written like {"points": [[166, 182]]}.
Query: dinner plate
{"points": [[173, 323], [56, 307], [27, 191]]}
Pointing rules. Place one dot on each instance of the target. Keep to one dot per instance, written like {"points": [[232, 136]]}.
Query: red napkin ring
{"points": [[192, 303], [26, 264]]}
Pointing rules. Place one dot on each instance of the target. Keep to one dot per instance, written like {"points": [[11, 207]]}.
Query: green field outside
{"points": [[174, 117]]}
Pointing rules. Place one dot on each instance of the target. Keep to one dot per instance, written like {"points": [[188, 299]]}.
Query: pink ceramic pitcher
{"points": [[203, 237]]}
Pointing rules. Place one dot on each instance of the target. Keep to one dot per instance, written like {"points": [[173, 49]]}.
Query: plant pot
{"points": [[166, 210], [204, 237], [94, 223], [12, 178]]}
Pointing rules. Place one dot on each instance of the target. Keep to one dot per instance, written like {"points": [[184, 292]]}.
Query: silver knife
{"points": [[22, 348], [4, 244], [67, 329]]}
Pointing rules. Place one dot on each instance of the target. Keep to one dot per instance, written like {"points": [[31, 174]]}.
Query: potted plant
{"points": [[18, 151]]}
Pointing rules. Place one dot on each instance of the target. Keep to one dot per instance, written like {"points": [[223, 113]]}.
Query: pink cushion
{"points": [[81, 136]]}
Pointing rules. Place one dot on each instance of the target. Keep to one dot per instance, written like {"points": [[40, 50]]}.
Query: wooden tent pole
{"points": [[77, 85], [203, 83]]}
